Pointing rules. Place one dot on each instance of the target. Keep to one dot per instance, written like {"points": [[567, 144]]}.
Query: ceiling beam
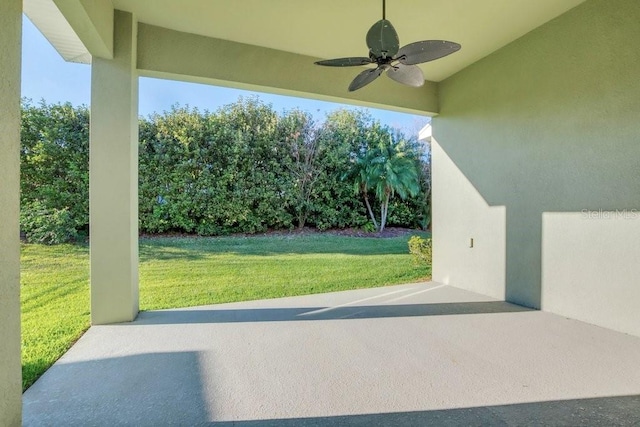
{"points": [[165, 53]]}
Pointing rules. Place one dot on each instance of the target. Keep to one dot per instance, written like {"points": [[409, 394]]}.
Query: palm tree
{"points": [[362, 175], [388, 167]]}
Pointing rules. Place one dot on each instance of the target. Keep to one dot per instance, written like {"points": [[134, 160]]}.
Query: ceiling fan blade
{"points": [[345, 62], [382, 39], [365, 77], [410, 75], [425, 51]]}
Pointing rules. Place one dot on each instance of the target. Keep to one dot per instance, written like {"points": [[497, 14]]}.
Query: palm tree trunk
{"points": [[384, 209], [373, 217]]}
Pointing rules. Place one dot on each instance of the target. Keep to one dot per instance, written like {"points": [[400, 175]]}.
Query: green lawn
{"points": [[55, 304], [180, 272]]}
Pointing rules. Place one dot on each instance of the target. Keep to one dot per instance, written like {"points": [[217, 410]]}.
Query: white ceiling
{"points": [[337, 28]]}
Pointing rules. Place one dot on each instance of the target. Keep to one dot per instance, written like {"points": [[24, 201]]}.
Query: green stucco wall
{"points": [[549, 123]]}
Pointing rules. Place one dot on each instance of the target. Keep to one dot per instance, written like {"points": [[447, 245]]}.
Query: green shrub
{"points": [[244, 168], [401, 214], [49, 226], [369, 227], [421, 250], [54, 165]]}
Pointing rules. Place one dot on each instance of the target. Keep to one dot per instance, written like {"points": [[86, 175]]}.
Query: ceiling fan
{"points": [[386, 53]]}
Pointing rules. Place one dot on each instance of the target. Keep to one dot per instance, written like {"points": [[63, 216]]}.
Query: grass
{"points": [[181, 272], [184, 272], [55, 304]]}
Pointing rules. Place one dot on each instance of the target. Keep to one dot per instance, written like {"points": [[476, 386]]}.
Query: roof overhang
{"points": [[294, 31], [77, 29]]}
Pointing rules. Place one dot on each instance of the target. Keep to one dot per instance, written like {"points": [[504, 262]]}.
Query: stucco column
{"points": [[113, 179], [10, 365]]}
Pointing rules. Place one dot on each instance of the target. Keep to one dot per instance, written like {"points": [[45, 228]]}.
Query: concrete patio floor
{"points": [[417, 354]]}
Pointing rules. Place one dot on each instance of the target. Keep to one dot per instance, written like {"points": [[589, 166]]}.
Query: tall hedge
{"points": [[214, 173], [54, 167], [243, 168]]}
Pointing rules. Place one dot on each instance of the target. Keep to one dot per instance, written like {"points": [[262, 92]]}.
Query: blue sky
{"points": [[45, 75]]}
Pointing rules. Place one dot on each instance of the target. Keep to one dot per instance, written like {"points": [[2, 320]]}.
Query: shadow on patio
{"points": [[144, 389], [603, 411], [324, 313]]}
